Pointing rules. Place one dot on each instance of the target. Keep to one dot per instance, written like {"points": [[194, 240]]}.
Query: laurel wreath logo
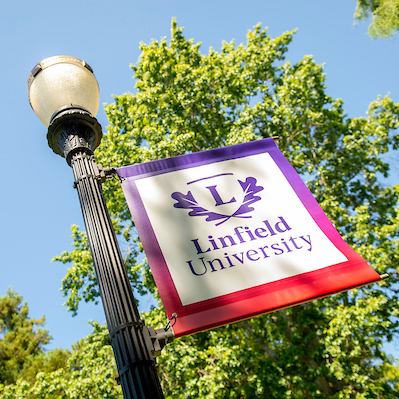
{"points": [[250, 189]]}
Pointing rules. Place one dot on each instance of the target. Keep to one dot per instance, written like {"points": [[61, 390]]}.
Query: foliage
{"points": [[186, 101], [88, 373], [19, 339], [384, 13], [83, 267]]}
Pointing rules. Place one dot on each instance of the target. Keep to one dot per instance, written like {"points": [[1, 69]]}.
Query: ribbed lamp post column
{"points": [[64, 94]]}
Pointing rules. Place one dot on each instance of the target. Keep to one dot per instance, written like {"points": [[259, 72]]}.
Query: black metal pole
{"points": [[73, 131]]}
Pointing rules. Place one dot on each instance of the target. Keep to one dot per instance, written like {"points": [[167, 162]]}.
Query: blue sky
{"points": [[38, 204]]}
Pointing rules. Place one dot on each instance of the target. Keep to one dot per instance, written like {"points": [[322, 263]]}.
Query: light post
{"points": [[64, 94]]}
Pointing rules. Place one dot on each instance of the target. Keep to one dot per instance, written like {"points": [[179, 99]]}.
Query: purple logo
{"points": [[238, 208]]}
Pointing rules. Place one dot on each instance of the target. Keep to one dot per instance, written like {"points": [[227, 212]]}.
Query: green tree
{"points": [[20, 341], [384, 13], [22, 345], [186, 101], [87, 373]]}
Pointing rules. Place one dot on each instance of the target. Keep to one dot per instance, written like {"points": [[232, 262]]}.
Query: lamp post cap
{"points": [[56, 59]]}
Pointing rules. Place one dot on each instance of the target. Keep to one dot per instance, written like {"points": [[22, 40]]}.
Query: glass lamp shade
{"points": [[62, 81]]}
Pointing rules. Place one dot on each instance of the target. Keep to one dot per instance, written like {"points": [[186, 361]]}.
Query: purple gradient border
{"points": [[153, 168]]}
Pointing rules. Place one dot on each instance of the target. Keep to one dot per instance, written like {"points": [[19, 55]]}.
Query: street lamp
{"points": [[64, 94]]}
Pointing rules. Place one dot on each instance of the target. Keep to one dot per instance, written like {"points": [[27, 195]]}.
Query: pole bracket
{"points": [[158, 339], [155, 340], [105, 173], [100, 174], [161, 336]]}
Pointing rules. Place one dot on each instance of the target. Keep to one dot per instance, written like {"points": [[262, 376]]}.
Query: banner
{"points": [[233, 232]]}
